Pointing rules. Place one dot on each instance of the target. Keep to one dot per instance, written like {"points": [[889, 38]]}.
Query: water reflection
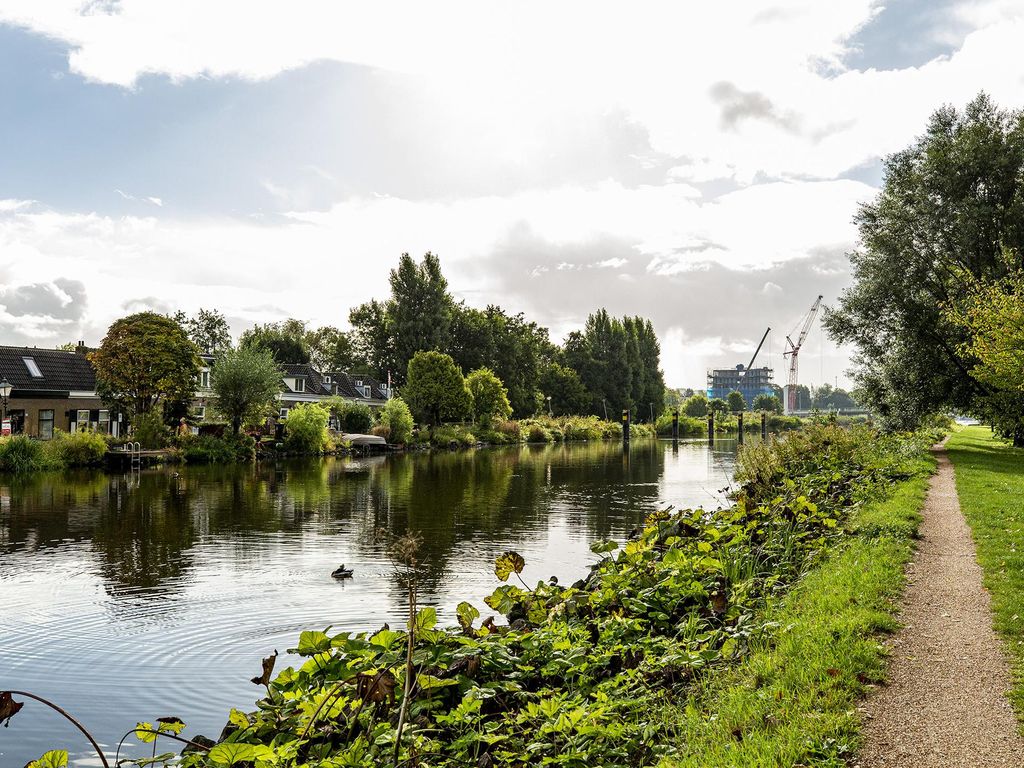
{"points": [[166, 586]]}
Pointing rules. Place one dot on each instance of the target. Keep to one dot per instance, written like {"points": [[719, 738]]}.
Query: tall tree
{"points": [[330, 349], [372, 342], [490, 398], [286, 340], [949, 206], [208, 329], [245, 382], [145, 360], [419, 311]]}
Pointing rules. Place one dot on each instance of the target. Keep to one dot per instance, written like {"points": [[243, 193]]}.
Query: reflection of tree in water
{"points": [[144, 527], [49, 509]]}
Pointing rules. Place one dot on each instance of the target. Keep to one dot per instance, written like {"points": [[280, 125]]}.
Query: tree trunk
{"points": [[1018, 438]]}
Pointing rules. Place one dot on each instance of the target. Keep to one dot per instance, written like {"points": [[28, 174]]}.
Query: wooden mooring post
{"points": [[625, 428], [739, 422], [675, 426], [764, 425], [711, 427]]}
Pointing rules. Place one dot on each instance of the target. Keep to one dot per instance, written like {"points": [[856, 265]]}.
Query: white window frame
{"points": [[32, 367], [327, 379], [366, 391], [300, 385], [200, 411], [283, 414], [52, 422], [78, 419], [204, 378]]}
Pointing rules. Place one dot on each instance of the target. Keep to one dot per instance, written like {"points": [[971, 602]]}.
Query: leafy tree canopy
{"points": [[144, 360], [330, 349], [769, 403], [208, 329], [564, 387], [736, 402], [435, 389], [245, 382], [286, 340], [696, 405], [951, 204], [490, 398]]}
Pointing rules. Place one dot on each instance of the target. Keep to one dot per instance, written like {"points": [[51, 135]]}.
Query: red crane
{"points": [[793, 350]]}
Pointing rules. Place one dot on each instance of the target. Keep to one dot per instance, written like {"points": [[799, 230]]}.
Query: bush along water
{"points": [[580, 675]]}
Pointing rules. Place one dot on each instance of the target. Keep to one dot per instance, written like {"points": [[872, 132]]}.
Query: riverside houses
{"points": [[52, 389]]}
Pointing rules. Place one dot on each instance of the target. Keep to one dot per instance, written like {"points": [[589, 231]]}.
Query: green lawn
{"points": [[793, 702], [990, 484]]}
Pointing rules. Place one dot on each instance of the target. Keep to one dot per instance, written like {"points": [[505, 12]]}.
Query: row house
{"points": [[51, 389]]}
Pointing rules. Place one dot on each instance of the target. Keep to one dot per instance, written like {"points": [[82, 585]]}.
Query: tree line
{"points": [[514, 370]]}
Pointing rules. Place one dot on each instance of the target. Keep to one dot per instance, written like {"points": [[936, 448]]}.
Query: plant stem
{"points": [[68, 717], [407, 688]]}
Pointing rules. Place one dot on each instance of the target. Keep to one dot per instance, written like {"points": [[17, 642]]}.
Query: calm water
{"points": [[130, 597]]}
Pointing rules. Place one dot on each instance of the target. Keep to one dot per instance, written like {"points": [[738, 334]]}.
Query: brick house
{"points": [[51, 390]]}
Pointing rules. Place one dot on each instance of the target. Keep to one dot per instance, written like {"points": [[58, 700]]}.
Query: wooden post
{"points": [[739, 422], [675, 425], [711, 426], [764, 425], [625, 428]]}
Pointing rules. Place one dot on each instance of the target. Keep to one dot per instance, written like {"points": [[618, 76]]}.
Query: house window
{"points": [[201, 411], [327, 379], [204, 379], [366, 391], [82, 420], [103, 422], [46, 424], [33, 369], [284, 413], [359, 382], [300, 385]]}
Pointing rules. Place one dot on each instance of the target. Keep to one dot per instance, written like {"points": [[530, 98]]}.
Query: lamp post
{"points": [[5, 392], [550, 414]]}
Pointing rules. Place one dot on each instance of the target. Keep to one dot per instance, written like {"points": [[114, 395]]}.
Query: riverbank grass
{"points": [[990, 484], [793, 700]]}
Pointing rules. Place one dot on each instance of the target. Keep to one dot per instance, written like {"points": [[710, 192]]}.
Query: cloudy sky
{"points": [[695, 163]]}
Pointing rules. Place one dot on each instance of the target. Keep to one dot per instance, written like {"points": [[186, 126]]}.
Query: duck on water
{"points": [[341, 572]]}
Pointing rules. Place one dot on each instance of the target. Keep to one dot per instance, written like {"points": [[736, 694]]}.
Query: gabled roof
{"points": [[346, 385], [61, 371], [314, 382]]}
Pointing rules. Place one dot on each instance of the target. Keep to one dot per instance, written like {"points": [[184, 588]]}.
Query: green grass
{"points": [[793, 701], [990, 484]]}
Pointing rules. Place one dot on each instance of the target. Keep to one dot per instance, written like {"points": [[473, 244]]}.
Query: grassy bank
{"points": [[792, 701], [624, 667], [990, 484]]}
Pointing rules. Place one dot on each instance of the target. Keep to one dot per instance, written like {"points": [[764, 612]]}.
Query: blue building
{"points": [[749, 382]]}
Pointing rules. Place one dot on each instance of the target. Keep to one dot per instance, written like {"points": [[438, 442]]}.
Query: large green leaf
{"points": [[143, 734], [313, 641], [505, 564], [466, 613], [426, 618], [231, 754], [55, 758]]}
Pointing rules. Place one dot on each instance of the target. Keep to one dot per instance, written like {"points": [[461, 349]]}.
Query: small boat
{"points": [[341, 572]]}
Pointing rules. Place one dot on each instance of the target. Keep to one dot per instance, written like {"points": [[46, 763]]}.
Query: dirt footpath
{"points": [[945, 703]]}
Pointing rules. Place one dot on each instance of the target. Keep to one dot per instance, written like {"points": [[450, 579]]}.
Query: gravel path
{"points": [[945, 703]]}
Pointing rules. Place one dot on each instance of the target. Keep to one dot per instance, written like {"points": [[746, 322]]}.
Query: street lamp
{"points": [[5, 392], [550, 414]]}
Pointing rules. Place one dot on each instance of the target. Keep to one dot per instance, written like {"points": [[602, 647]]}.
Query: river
{"points": [[126, 597]]}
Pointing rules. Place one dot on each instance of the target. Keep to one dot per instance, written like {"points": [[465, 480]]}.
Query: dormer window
{"points": [[359, 382], [33, 369], [366, 391], [204, 379], [300, 385], [327, 379]]}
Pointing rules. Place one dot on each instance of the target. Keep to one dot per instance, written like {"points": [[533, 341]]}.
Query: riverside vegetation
{"points": [[668, 643]]}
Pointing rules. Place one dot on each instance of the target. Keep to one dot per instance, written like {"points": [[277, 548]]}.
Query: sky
{"points": [[698, 164]]}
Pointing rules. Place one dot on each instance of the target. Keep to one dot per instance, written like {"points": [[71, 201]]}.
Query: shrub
{"points": [[77, 449], [510, 429], [395, 415], [305, 429], [208, 449], [538, 434], [448, 434], [356, 418], [21, 454], [582, 428], [149, 430]]}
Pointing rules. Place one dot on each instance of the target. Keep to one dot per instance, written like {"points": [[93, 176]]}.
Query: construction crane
{"points": [[793, 350], [751, 363]]}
